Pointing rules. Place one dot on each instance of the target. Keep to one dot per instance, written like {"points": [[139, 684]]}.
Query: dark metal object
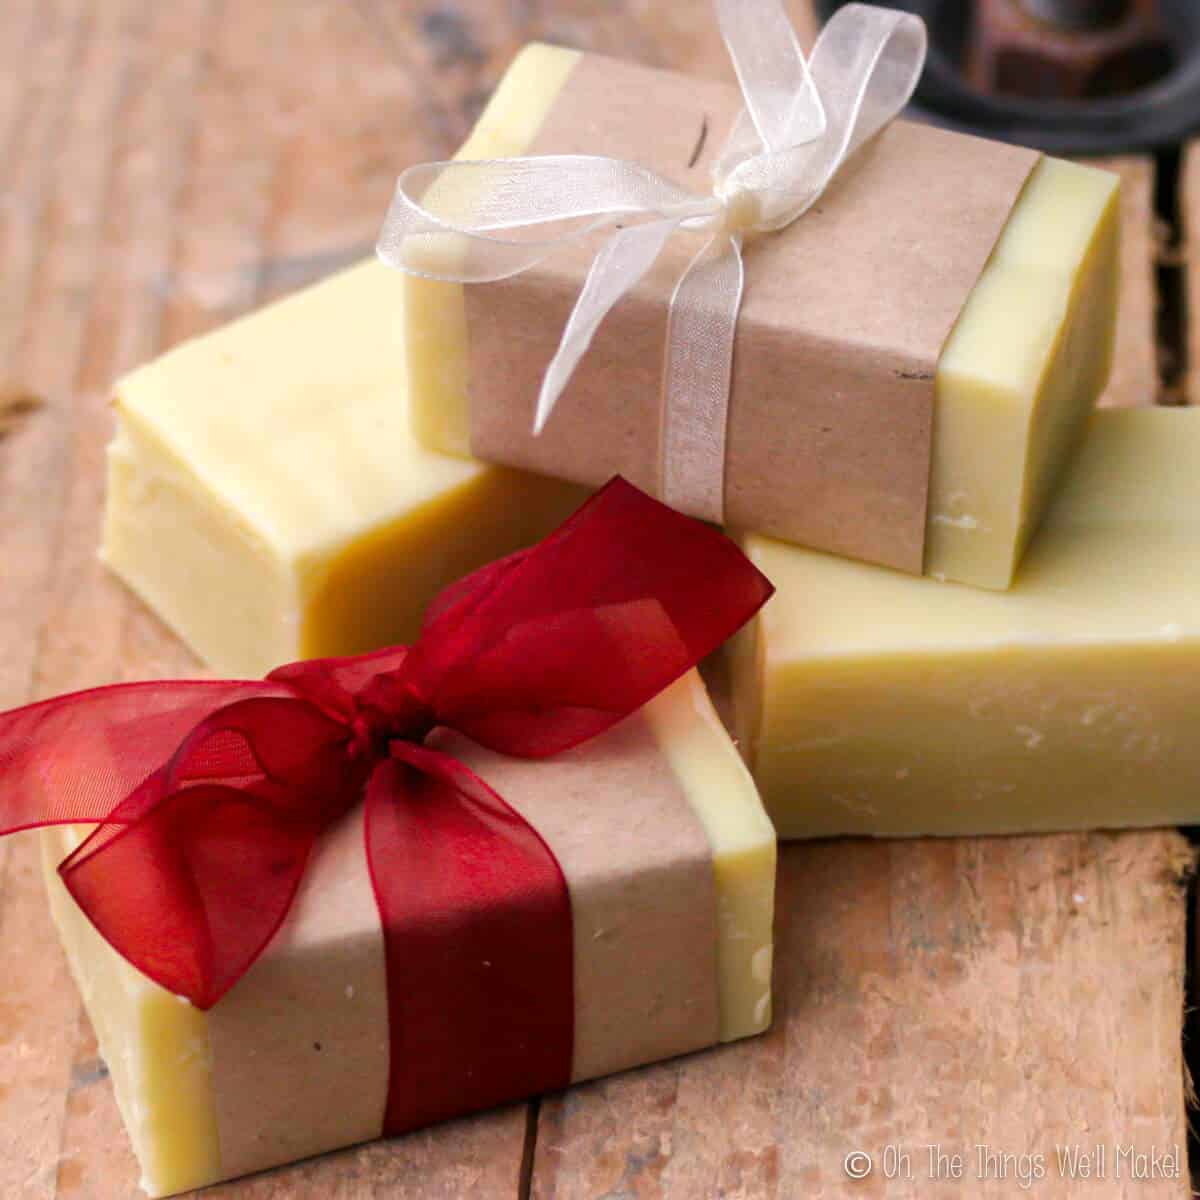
{"points": [[1012, 53], [1077, 14], [1158, 114]]}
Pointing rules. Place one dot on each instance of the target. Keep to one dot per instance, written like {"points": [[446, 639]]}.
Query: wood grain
{"points": [[966, 992], [1135, 372], [72, 62], [170, 166]]}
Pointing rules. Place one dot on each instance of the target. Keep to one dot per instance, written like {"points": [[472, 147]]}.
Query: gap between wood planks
{"points": [[1174, 284], [1171, 279], [533, 1112]]}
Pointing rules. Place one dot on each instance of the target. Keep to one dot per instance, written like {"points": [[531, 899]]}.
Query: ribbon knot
{"points": [[367, 740], [390, 710], [741, 210], [474, 222], [210, 796], [375, 697]]}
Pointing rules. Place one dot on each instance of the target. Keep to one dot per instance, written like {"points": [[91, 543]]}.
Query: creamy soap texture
{"points": [[1026, 360], [267, 498], [869, 702], [206, 1096]]}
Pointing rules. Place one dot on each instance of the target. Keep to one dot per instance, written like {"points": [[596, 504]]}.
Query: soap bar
{"points": [[670, 865], [870, 702], [915, 357], [266, 496]]}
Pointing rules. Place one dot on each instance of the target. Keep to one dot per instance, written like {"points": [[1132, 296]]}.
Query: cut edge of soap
{"points": [[273, 592], [190, 1159], [504, 507], [1060, 444], [805, 810], [436, 343], [726, 801], [1049, 427]]}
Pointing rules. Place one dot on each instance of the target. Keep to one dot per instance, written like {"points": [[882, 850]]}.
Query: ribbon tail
{"points": [[478, 941], [697, 378], [615, 271]]}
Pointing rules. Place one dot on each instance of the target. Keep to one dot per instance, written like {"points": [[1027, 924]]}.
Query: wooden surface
{"points": [[1134, 378], [954, 993], [167, 166]]}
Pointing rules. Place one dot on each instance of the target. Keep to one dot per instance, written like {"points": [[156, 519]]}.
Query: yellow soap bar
{"points": [[1026, 362], [721, 791], [870, 702], [154, 1044], [1027, 359], [165, 1056], [266, 496]]}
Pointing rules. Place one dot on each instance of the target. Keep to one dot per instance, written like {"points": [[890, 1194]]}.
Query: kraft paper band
{"points": [[300, 1047], [639, 869], [842, 325]]}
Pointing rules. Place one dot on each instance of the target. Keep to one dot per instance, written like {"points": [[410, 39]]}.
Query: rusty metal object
{"points": [[1078, 14], [1158, 115], [1066, 49]]}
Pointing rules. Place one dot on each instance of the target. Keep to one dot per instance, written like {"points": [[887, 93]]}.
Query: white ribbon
{"points": [[473, 222]]}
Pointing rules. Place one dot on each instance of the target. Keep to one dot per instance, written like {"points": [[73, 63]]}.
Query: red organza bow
{"points": [[210, 795]]}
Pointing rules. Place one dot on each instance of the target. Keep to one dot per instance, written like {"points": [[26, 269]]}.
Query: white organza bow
{"points": [[473, 222]]}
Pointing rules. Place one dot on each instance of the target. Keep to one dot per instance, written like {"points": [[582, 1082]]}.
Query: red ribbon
{"points": [[209, 796]]}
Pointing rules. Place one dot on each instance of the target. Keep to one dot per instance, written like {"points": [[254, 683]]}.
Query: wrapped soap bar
{"points": [[371, 892], [266, 496], [872, 703], [670, 863], [914, 358]]}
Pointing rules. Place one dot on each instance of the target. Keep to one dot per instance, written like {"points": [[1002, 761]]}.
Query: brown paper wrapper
{"points": [[300, 1046], [842, 324]]}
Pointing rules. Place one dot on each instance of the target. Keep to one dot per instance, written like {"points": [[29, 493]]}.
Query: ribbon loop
{"points": [[209, 796], [782, 101], [471, 222]]}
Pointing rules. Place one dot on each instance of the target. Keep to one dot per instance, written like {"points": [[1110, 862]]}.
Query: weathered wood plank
{"points": [[459, 50], [1135, 372], [152, 161], [1020, 993], [71, 62], [41, 251]]}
